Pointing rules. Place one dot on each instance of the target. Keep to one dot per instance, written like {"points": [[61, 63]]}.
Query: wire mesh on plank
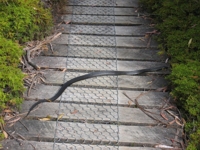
{"points": [[92, 2], [91, 106], [78, 10]]}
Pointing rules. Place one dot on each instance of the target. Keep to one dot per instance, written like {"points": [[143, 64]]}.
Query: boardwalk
{"points": [[99, 113]]}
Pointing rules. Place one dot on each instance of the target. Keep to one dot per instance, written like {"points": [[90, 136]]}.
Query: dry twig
{"points": [[36, 47]]}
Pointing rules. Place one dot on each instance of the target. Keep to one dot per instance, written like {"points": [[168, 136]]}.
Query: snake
{"points": [[92, 75]]}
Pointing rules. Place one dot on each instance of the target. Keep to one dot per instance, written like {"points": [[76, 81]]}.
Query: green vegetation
{"points": [[20, 21], [179, 24], [11, 76], [23, 20]]}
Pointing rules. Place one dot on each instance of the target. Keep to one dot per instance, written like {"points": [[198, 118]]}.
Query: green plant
{"points": [[23, 20], [20, 21], [179, 24], [11, 76]]}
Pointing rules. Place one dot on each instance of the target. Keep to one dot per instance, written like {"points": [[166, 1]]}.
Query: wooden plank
{"points": [[102, 52], [139, 54], [93, 64], [127, 3], [135, 42], [106, 30], [105, 20], [132, 30], [94, 133], [118, 3], [147, 99], [96, 113], [90, 113], [28, 145], [137, 65], [108, 41], [91, 10], [124, 82], [141, 82], [134, 11]]}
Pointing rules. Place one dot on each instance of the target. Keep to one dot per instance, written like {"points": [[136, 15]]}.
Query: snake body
{"points": [[92, 75]]}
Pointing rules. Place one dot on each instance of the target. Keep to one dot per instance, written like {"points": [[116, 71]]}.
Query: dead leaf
{"points": [[11, 125], [61, 69], [163, 115], [60, 116], [171, 122], [163, 146], [189, 42], [130, 103], [5, 134], [74, 112], [142, 39], [15, 120], [44, 119], [47, 118], [45, 47], [67, 22], [152, 32], [146, 36], [149, 82], [162, 89], [195, 77], [183, 120], [7, 111], [64, 69], [178, 121]]}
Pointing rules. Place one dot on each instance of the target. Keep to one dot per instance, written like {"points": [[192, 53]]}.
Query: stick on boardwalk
{"points": [[95, 113]]}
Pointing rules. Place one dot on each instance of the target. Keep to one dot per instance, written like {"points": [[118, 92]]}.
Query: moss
{"points": [[179, 24], [23, 20], [11, 76], [20, 21]]}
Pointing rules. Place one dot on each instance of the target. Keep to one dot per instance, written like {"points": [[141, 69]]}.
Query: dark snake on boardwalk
{"points": [[92, 75]]}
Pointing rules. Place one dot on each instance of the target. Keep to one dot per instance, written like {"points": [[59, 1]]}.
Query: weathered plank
{"points": [[91, 113], [91, 10], [106, 30], [135, 42], [102, 52], [28, 145], [124, 82], [139, 54], [94, 133], [105, 20], [133, 30], [93, 64], [127, 3], [108, 41], [96, 113], [146, 99], [118, 3], [128, 11]]}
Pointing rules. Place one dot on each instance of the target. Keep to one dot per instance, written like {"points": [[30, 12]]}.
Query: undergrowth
{"points": [[20, 21], [178, 21], [23, 20]]}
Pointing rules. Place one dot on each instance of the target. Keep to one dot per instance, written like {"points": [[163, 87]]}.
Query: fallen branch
{"points": [[144, 110], [28, 53], [31, 51]]}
